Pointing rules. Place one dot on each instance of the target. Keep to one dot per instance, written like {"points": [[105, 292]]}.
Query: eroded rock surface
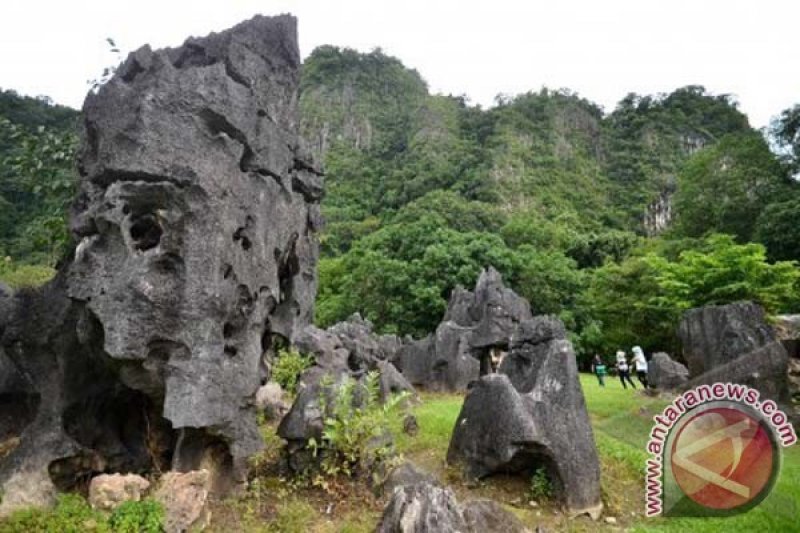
{"points": [[427, 507], [532, 415], [734, 343], [717, 334], [195, 226], [471, 340], [665, 373], [346, 351], [107, 492]]}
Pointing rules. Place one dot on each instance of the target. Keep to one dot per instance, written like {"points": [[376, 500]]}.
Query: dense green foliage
{"points": [[641, 300], [289, 364], [37, 177], [73, 514]]}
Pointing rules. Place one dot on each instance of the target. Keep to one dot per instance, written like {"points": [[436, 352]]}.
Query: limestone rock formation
{"points": [[195, 226], [184, 497], [530, 415], [347, 350], [426, 507], [107, 492], [271, 400], [665, 373], [474, 334], [734, 343], [787, 328], [717, 334]]}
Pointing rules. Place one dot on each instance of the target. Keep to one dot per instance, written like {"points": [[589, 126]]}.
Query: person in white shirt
{"points": [[640, 365], [624, 371]]}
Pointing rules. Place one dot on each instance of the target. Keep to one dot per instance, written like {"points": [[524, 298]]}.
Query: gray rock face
{"points": [[765, 369], [404, 475], [476, 325], [347, 350], [427, 508], [717, 334], [734, 343], [532, 415], [787, 329], [665, 373], [195, 222]]}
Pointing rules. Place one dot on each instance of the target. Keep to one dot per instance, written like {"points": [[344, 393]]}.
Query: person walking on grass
{"points": [[599, 370], [624, 370], [640, 365]]}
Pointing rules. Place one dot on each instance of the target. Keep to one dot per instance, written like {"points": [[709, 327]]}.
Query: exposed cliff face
{"points": [[195, 224], [659, 213]]}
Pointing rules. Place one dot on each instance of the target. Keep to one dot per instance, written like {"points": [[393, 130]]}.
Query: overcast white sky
{"points": [[601, 48]]}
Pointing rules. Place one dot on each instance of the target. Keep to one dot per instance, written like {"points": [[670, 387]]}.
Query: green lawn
{"points": [[621, 420]]}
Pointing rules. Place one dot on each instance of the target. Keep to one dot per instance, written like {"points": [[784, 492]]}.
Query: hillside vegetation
{"points": [[616, 221]]}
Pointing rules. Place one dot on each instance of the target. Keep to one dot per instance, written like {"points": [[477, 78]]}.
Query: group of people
{"points": [[638, 361]]}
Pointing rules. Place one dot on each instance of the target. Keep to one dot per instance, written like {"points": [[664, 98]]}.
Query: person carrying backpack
{"points": [[599, 370]]}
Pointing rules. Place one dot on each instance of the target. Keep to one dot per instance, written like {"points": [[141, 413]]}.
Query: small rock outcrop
{"points": [[426, 507], [734, 343], [271, 400], [347, 350], [787, 329], [107, 492], [664, 373], [472, 338], [531, 415], [195, 226], [184, 497]]}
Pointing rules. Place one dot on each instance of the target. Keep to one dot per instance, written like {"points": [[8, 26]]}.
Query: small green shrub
{"points": [[72, 514], [145, 516], [287, 368], [541, 487], [356, 426]]}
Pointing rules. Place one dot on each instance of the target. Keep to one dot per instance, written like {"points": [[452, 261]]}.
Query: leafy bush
{"points": [[287, 369], [356, 426], [72, 514], [145, 516], [541, 488]]}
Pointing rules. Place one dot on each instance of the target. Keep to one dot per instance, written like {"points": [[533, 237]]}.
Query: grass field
{"points": [[621, 421]]}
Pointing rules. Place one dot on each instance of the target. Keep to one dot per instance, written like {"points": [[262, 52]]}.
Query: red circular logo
{"points": [[723, 458]]}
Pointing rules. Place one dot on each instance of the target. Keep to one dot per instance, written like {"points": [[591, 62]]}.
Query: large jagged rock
{"points": [[476, 326], [530, 415], [195, 222], [717, 334], [426, 507], [664, 373], [734, 343]]}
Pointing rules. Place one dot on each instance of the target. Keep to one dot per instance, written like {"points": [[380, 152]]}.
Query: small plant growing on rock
{"points": [[287, 369], [357, 434], [541, 487]]}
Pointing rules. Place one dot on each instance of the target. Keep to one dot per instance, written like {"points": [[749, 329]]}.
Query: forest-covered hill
{"points": [[609, 219]]}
